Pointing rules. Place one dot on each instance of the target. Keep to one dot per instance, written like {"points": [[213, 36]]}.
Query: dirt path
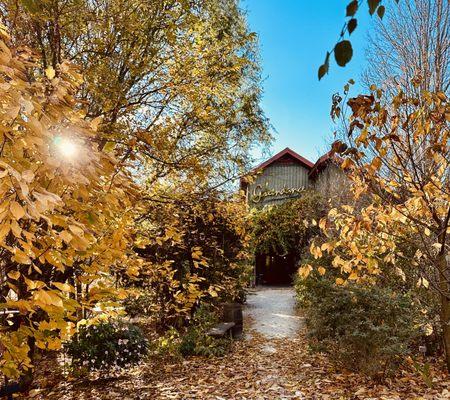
{"points": [[273, 312]]}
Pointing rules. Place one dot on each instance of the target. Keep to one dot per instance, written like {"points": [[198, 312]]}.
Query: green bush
{"points": [[285, 228], [196, 340], [138, 306], [107, 345], [363, 328], [193, 340]]}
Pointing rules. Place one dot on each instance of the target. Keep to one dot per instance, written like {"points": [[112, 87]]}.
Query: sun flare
{"points": [[66, 147]]}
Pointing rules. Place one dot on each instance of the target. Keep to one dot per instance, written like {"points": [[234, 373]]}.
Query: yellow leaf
{"points": [[347, 163], [376, 162], [64, 287], [76, 230], [50, 72], [21, 257], [16, 210], [428, 328], [437, 246], [321, 270], [339, 281], [121, 294], [33, 284], [353, 276], [14, 275], [323, 223], [66, 236], [49, 298], [54, 344], [305, 270], [43, 297], [4, 230], [401, 274], [96, 122], [425, 283]]}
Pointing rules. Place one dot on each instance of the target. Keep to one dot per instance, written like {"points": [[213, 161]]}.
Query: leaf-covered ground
{"points": [[257, 368]]}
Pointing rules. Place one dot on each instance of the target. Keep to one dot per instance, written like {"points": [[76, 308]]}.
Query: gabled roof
{"points": [[322, 162], [287, 151]]}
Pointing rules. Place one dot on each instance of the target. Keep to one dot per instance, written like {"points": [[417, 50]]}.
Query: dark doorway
{"points": [[275, 269]]}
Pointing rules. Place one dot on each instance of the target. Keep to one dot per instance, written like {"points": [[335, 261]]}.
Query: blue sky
{"points": [[294, 36]]}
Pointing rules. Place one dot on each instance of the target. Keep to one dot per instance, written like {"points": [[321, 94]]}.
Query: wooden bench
{"points": [[221, 330]]}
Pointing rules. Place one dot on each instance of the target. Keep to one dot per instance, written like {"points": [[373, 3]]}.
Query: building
{"points": [[283, 177]]}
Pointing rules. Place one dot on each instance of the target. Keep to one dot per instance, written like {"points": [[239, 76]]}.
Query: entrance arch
{"points": [[275, 270]]}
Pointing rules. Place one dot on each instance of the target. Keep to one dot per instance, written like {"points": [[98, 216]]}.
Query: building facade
{"points": [[283, 177]]}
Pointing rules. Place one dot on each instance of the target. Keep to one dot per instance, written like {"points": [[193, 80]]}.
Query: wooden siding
{"points": [[334, 185], [278, 176]]}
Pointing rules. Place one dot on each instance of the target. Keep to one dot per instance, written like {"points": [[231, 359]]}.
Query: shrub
{"points": [[168, 345], [363, 328], [137, 306], [109, 344], [198, 254], [284, 228], [196, 340], [193, 340]]}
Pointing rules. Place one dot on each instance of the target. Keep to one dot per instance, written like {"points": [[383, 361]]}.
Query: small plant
{"points": [[109, 344], [167, 345], [196, 340], [425, 372]]}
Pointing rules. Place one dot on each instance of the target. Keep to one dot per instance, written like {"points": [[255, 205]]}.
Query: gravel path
{"points": [[273, 312]]}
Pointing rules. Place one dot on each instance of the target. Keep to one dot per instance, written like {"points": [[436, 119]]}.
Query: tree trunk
{"points": [[445, 320], [445, 305]]}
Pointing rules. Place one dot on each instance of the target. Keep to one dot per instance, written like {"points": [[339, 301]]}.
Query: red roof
{"points": [[314, 168], [287, 151], [322, 162]]}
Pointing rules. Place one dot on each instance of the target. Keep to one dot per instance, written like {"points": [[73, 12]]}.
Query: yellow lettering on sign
{"points": [[259, 194]]}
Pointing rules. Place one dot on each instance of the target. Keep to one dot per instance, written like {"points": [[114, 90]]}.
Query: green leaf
{"points": [[352, 7], [380, 11], [351, 26], [31, 6], [373, 4], [343, 52], [90, 218]]}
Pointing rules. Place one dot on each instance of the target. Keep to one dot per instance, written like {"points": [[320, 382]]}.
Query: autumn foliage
{"points": [[64, 220], [114, 166], [398, 160], [196, 251]]}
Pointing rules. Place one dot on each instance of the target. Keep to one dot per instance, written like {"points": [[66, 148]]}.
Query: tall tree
{"points": [[176, 82], [411, 45], [66, 208], [399, 162], [170, 96]]}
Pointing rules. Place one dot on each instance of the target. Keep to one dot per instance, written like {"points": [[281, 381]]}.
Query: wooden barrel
{"points": [[232, 312]]}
